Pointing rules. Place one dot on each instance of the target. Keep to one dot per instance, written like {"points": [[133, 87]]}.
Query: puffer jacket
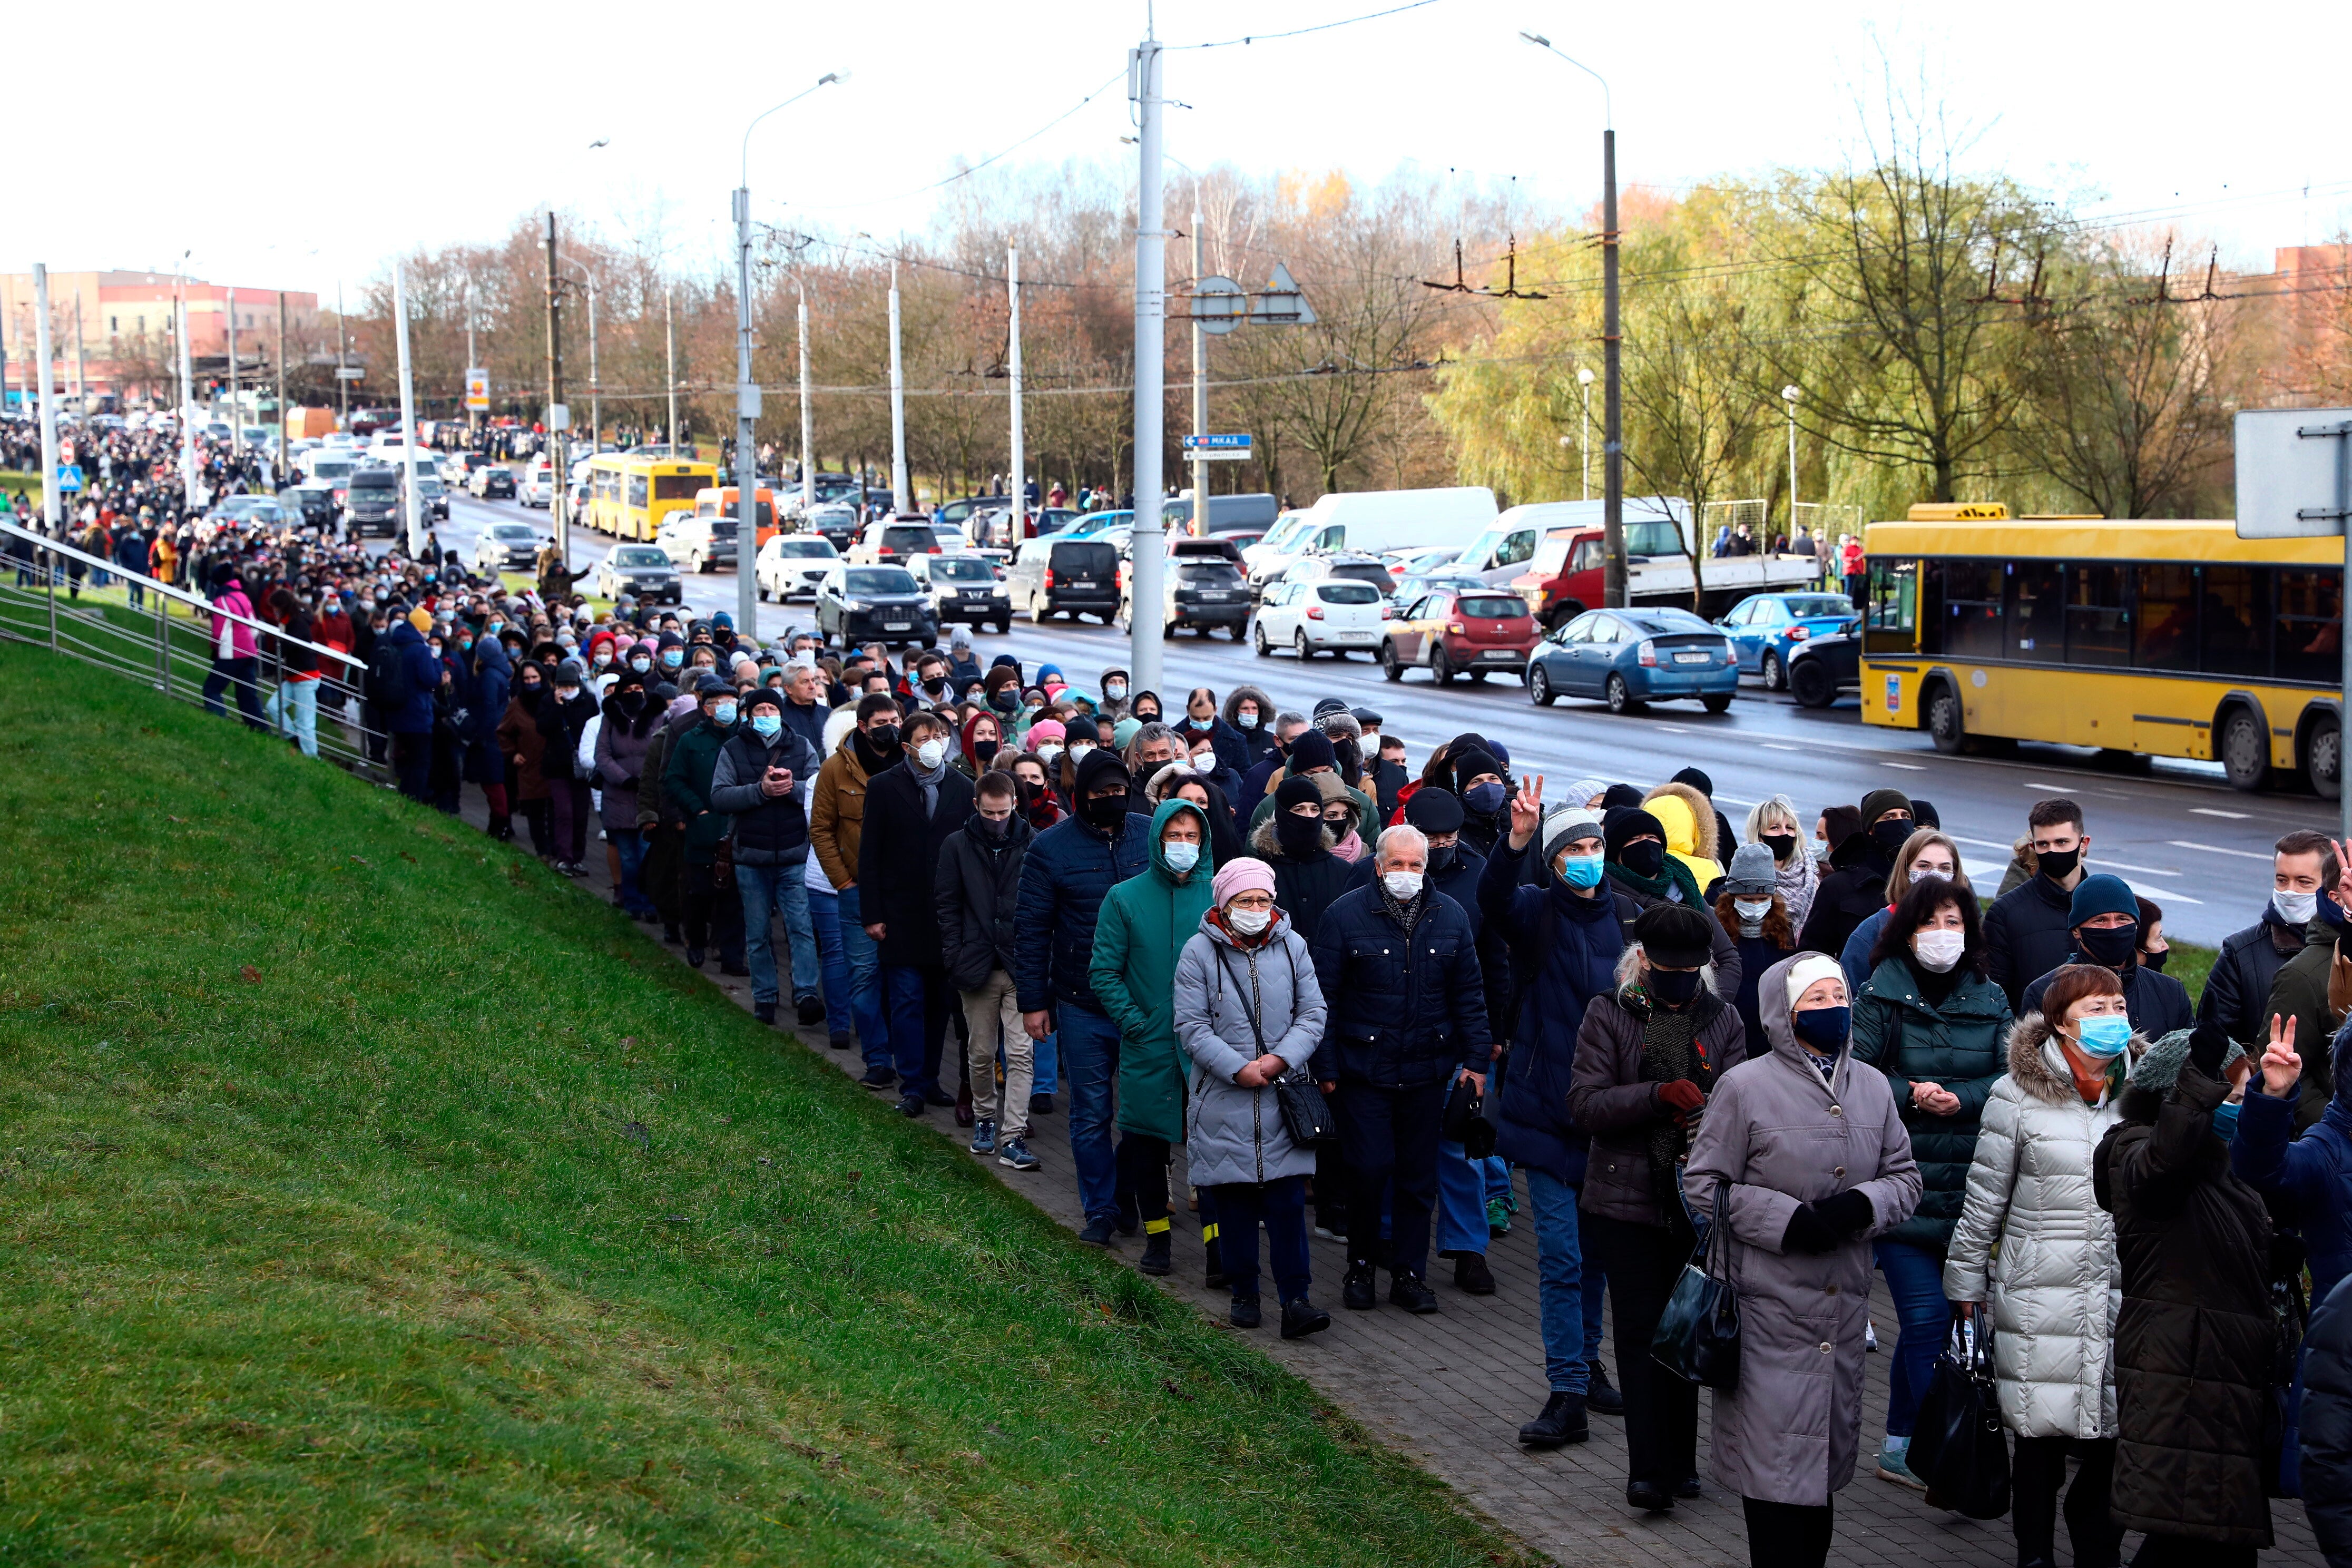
{"points": [[1071, 867], [976, 890], [1256, 744], [1234, 1134], [2056, 1286], [2306, 1179], [2326, 1435], [1408, 1008], [1689, 818], [1617, 1106], [1958, 1043], [621, 747]]}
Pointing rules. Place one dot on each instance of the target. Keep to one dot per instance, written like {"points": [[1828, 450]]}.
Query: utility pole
{"points": [[808, 420], [50, 500], [1789, 397], [187, 390], [411, 516], [1612, 418], [1149, 546], [473, 427], [596, 391], [556, 413], [236, 419], [669, 351], [902, 495], [283, 460], [747, 424], [342, 358], [1584, 442], [1018, 529], [1200, 391], [81, 364]]}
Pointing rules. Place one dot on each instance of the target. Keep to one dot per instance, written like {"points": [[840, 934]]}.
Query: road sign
{"points": [[1219, 305], [558, 416], [478, 391], [69, 477], [351, 373], [1217, 448], [1282, 305], [2287, 471]]}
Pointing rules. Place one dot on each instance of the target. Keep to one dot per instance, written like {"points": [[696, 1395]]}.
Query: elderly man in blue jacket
{"points": [[1399, 962]]}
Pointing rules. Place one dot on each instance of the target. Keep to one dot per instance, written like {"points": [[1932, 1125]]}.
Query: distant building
{"points": [[127, 350]]}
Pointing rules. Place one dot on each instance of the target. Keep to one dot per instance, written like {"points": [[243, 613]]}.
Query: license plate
{"points": [[1082, 581], [1498, 653], [1694, 658], [898, 626], [1215, 593]]}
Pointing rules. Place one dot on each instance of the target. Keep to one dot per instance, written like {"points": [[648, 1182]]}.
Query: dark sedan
{"points": [[1824, 668], [876, 603], [641, 572]]}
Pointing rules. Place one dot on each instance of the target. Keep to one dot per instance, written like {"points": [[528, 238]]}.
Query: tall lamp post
{"points": [[1613, 466], [747, 391], [1789, 397]]}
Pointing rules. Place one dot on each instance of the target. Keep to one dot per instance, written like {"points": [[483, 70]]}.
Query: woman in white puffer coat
{"points": [[2055, 1287]]}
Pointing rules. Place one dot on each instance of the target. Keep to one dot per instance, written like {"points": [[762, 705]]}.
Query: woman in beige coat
{"points": [[1810, 1155]]}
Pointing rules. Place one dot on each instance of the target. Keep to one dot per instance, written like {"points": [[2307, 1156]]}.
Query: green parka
{"points": [[1961, 1044], [1140, 931]]}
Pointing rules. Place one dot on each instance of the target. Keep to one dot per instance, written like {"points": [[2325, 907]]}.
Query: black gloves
{"points": [[1808, 1232], [2208, 1044], [1848, 1212]]}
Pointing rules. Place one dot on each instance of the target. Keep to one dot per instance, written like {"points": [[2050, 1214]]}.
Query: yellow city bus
{"points": [[629, 497], [2176, 639]]}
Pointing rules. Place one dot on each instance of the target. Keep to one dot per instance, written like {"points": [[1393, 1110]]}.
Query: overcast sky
{"points": [[293, 145]]}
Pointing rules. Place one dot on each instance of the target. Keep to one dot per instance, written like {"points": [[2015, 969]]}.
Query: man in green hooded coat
{"points": [[1141, 929]]}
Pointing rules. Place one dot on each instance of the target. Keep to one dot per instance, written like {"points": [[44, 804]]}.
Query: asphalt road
{"points": [[2175, 831]]}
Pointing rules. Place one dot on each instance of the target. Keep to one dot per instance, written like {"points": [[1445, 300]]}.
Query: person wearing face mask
{"points": [[1564, 940], [1805, 1158], [2029, 930], [765, 778], [1249, 712], [1141, 929], [1151, 748], [1247, 1012], [977, 890], [1482, 786], [630, 718], [669, 656], [1399, 964], [1312, 754], [1272, 764], [1202, 723], [910, 810], [1293, 843], [980, 744], [1648, 1054], [1926, 852], [1747, 904], [2106, 932], [1071, 868], [1114, 689], [1854, 887], [2049, 1304], [1144, 709], [2310, 986], [2197, 1340], [1930, 1020], [486, 762], [1638, 866], [1040, 807], [1689, 818], [520, 744], [707, 904]]}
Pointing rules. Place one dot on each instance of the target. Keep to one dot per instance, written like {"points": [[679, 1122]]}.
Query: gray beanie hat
{"points": [[1751, 872], [1564, 824], [2160, 1065]]}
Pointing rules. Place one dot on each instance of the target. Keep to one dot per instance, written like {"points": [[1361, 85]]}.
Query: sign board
{"points": [[351, 373], [558, 416], [1958, 511], [66, 452], [2287, 474], [69, 477], [1282, 305], [478, 391], [1219, 305], [1217, 448]]}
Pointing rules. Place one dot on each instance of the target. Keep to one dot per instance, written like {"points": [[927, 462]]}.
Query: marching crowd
{"points": [[1358, 996]]}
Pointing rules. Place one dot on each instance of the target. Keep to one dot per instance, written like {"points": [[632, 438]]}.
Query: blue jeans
{"points": [[767, 891], [629, 843], [865, 964], [1048, 1076], [1560, 1295], [1461, 1201], [1915, 1277], [293, 709], [920, 1000], [1089, 1048]]}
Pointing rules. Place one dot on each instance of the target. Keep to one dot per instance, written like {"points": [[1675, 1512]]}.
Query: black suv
{"points": [[372, 502]]}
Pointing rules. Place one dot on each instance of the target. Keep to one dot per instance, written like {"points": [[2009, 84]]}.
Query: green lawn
{"points": [[371, 1195]]}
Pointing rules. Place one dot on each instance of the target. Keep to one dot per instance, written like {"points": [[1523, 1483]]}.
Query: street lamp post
{"points": [[808, 419], [1789, 397], [1148, 544]]}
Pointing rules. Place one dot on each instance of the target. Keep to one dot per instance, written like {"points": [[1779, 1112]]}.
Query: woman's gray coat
{"points": [[1232, 1133], [1779, 1133]]}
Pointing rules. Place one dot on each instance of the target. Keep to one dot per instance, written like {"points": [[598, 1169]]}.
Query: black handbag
{"points": [[1697, 1336], [1464, 1122], [1958, 1446], [1306, 1113]]}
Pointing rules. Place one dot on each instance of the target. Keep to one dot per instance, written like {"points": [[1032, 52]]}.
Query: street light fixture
{"points": [[1612, 480]]}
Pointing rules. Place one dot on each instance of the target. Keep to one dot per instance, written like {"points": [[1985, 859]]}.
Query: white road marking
{"points": [[2216, 849], [1907, 767], [2216, 811], [1775, 746]]}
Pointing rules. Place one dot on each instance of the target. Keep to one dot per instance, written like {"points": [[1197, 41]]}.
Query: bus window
{"points": [[638, 491], [1971, 620], [677, 486], [2037, 621], [1894, 608], [2311, 625], [2098, 625], [2234, 633], [2168, 617]]}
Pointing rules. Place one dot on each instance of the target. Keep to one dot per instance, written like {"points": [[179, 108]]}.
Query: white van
{"points": [[1370, 521], [1502, 551]]}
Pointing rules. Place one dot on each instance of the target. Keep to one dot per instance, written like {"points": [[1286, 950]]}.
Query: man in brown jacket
{"points": [[836, 823]]}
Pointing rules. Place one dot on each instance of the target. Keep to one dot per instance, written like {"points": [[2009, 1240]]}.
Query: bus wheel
{"points": [[2323, 759], [1944, 724], [2245, 750]]}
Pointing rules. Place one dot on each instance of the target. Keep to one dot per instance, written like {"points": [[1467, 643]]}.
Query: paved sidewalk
{"points": [[1453, 1389]]}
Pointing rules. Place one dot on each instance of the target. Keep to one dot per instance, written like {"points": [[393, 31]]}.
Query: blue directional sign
{"points": [[1231, 448], [69, 477]]}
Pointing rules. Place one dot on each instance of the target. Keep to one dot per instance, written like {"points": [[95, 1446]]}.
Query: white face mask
{"points": [[1249, 922], [1078, 750], [1752, 911], [1938, 951], [929, 752], [2297, 907], [1049, 752], [1401, 885]]}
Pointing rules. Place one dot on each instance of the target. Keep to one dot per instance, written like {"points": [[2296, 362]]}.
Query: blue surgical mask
{"points": [[2103, 1035], [1246, 720], [1182, 857], [2225, 1120], [767, 725], [1580, 870], [672, 657], [724, 713]]}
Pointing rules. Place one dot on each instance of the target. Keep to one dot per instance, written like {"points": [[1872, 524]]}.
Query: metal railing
{"points": [[176, 656]]}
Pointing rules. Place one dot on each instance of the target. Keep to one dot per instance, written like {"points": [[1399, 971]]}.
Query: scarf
{"points": [[930, 780], [1674, 885], [1350, 848], [1670, 1050], [1407, 913], [1796, 883]]}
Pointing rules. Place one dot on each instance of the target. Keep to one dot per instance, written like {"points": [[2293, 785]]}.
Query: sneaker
{"points": [[983, 1138], [1014, 1152], [1245, 1312], [911, 1105], [1562, 1421], [1302, 1317], [1155, 1260], [1471, 1275], [879, 1077], [1325, 1233], [1599, 1393], [1356, 1291], [838, 1039], [764, 1011], [1041, 1105], [694, 957], [1409, 1291], [810, 1010], [1895, 1465], [1498, 1218], [1097, 1232]]}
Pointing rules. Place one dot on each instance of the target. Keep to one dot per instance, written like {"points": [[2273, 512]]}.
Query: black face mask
{"points": [[1890, 837], [2155, 959], [1029, 793], [1005, 702], [1104, 811], [1783, 845], [1300, 837], [2059, 864], [1646, 858], [2111, 946], [1144, 716], [991, 826], [1675, 987], [983, 751], [1440, 858], [632, 704], [883, 737]]}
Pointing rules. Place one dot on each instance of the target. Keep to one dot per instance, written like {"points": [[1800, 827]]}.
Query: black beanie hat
{"points": [[1434, 811], [1620, 795], [763, 697], [1312, 750], [1675, 936], [1622, 826], [1469, 765], [1698, 780], [1293, 792]]}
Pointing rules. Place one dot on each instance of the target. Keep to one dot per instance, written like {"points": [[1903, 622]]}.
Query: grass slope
{"points": [[372, 1196]]}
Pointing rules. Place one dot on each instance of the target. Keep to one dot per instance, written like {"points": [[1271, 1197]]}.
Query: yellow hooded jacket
{"points": [[1689, 820]]}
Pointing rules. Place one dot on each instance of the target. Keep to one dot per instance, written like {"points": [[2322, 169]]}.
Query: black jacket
{"points": [[1305, 887], [561, 724], [898, 851], [1407, 1008], [1853, 890], [2326, 1430], [769, 830], [2027, 934], [978, 892], [1459, 881], [2239, 982], [1070, 866]]}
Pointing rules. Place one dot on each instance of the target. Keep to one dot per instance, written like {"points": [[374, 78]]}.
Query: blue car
{"points": [[1765, 629], [1632, 657]]}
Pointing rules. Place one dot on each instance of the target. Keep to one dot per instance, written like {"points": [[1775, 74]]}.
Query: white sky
{"points": [[347, 133]]}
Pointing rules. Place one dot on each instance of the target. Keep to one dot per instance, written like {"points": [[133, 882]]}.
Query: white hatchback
{"points": [[1331, 615]]}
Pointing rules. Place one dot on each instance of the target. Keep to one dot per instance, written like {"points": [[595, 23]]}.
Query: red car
{"points": [[1460, 631]]}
